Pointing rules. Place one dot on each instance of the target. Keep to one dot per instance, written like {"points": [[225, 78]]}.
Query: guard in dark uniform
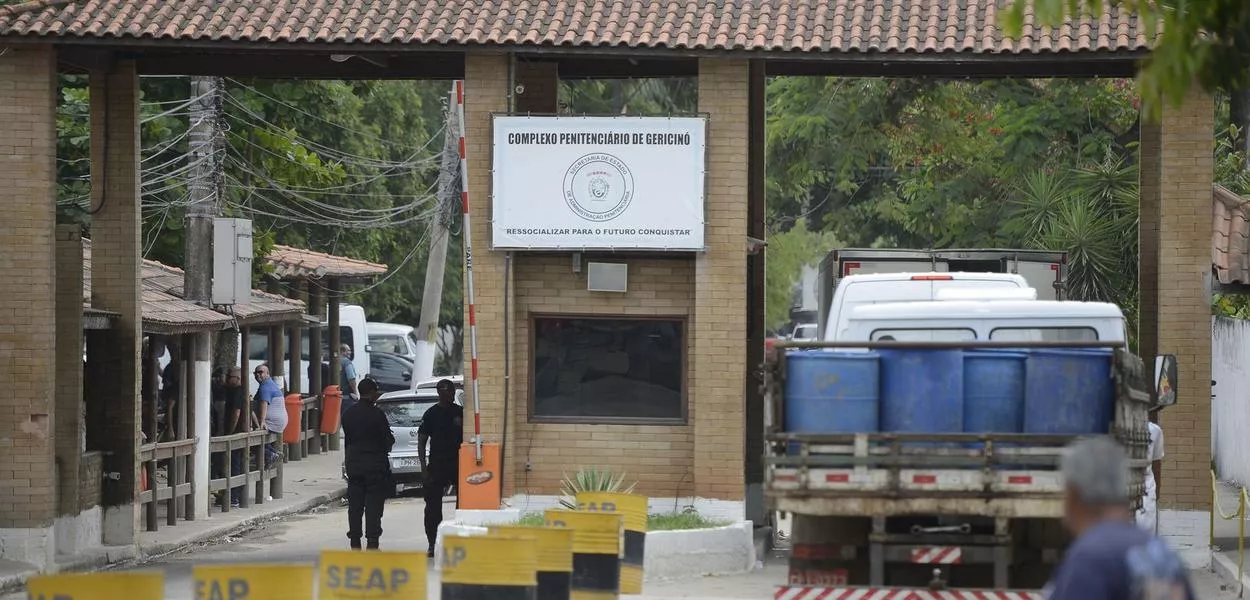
{"points": [[443, 427], [368, 438]]}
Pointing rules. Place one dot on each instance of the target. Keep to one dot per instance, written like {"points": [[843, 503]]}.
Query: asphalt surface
{"points": [[299, 539]]}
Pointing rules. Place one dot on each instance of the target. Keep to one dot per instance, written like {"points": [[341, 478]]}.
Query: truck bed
{"points": [[894, 474]]}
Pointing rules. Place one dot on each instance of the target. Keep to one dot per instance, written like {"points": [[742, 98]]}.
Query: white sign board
{"points": [[574, 183]]}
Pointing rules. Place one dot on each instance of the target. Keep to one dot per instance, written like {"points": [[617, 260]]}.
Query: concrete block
{"points": [[698, 552]]}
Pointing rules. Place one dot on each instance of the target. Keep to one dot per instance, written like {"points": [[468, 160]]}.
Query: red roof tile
{"points": [[896, 26], [288, 262], [1230, 243]]}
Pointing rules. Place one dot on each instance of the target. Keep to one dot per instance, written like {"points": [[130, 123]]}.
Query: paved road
{"points": [[299, 539]]}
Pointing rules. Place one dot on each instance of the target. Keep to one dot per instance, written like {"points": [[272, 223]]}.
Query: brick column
{"points": [[115, 285], [1148, 241], [69, 372], [718, 359], [1177, 188], [27, 306], [485, 91]]}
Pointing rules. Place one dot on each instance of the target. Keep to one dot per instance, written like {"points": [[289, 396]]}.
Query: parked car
{"points": [[394, 338], [404, 409], [392, 371]]}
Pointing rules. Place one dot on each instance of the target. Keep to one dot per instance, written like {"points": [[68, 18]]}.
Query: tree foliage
{"points": [[1194, 40]]}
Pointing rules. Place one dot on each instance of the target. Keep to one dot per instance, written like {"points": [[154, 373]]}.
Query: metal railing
{"points": [[1240, 514]]}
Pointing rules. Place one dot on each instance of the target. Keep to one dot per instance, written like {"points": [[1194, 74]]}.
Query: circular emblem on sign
{"points": [[598, 187]]}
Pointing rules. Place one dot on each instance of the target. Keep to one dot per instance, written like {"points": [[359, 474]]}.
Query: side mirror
{"points": [[1165, 380], [368, 348], [407, 375]]}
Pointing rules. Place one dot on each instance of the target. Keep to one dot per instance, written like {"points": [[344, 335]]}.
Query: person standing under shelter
{"points": [[442, 426], [347, 378], [1110, 557], [1148, 514], [270, 411], [368, 442]]}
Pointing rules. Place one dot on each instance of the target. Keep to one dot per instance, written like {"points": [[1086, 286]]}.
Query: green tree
{"points": [[1194, 40], [788, 252]]}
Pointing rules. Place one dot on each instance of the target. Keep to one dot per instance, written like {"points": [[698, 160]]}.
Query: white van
{"points": [[1015, 321], [352, 331], [879, 288], [393, 338]]}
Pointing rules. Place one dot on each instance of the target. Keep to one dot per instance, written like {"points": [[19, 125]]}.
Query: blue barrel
{"points": [[922, 391], [994, 391], [1069, 392], [832, 392]]}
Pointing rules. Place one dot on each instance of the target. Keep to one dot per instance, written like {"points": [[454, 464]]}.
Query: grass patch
{"points": [[657, 522]]}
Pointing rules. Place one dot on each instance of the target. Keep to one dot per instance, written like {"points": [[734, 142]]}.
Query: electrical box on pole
{"points": [[232, 261]]}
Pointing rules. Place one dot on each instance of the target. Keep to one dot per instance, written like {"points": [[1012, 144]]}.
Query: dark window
{"points": [[1044, 334], [393, 344], [387, 368], [923, 335], [592, 369]]}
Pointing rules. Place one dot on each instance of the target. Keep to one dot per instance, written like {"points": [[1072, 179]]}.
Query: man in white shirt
{"points": [[1147, 515]]}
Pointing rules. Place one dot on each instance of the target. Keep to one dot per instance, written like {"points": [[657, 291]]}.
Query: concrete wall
{"points": [[700, 458], [1230, 413], [28, 305]]}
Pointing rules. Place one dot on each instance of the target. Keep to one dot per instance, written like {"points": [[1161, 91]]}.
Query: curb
{"points": [[1226, 567], [138, 554]]}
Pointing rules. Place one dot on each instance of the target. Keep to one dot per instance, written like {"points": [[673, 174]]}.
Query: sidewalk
{"points": [[308, 483], [1224, 555]]}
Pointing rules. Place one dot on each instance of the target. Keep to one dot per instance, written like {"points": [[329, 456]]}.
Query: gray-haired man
{"points": [[1111, 558]]}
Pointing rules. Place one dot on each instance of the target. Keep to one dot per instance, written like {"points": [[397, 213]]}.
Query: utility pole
{"points": [[204, 206], [432, 297]]}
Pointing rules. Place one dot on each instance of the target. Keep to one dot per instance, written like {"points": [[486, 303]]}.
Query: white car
{"points": [[804, 332], [404, 409]]}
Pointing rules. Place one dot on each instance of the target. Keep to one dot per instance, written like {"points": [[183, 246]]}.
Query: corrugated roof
{"points": [[1230, 242], [858, 26], [299, 263], [164, 310]]}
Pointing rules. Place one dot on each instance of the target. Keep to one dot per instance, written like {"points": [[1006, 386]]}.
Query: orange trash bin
{"points": [[294, 406], [332, 401]]}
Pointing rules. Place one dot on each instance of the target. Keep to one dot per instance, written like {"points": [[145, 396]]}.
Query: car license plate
{"points": [[400, 463]]}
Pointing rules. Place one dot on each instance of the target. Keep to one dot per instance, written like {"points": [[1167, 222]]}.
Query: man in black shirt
{"points": [[368, 437], [443, 427], [236, 421]]}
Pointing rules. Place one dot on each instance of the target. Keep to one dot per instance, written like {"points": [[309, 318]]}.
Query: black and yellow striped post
{"points": [[597, 542], [633, 510], [555, 557], [489, 567]]}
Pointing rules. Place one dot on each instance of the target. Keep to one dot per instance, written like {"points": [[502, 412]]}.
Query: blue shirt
{"points": [[275, 416], [349, 373], [1119, 561]]}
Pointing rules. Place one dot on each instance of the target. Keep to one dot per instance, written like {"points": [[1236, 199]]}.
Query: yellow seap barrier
{"points": [[555, 557], [354, 575], [633, 510], [489, 567], [253, 582], [597, 545], [138, 585]]}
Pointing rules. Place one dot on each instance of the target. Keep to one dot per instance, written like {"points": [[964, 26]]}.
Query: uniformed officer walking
{"points": [[367, 435], [443, 427]]}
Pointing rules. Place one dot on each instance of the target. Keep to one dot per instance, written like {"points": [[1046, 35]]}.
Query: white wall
{"points": [[1230, 409]]}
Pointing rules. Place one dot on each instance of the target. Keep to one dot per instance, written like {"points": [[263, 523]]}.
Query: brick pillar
{"points": [[540, 81], [1148, 241], [486, 91], [1177, 188], [115, 285], [27, 306], [718, 358], [69, 372]]}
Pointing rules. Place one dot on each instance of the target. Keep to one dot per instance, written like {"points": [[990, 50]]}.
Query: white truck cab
{"points": [[881, 288], [987, 320]]}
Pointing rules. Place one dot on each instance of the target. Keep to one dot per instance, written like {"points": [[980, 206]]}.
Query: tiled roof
{"points": [[295, 263], [1230, 244], [164, 310], [896, 26]]}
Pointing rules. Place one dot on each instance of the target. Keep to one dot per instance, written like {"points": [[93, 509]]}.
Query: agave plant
{"points": [[589, 479]]}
